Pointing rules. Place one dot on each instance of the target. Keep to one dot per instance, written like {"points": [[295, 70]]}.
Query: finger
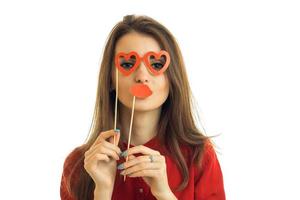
{"points": [[115, 139], [95, 158], [141, 166], [118, 137], [141, 159], [140, 149], [145, 173], [104, 136], [121, 166], [98, 157], [104, 144], [131, 157], [104, 150], [111, 146]]}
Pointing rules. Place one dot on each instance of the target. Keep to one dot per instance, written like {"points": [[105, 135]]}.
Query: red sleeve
{"points": [[65, 193], [209, 184]]}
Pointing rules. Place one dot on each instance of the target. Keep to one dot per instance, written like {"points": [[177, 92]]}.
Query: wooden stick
{"points": [[116, 103], [130, 129]]}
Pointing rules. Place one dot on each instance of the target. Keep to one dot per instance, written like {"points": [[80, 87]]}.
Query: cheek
{"points": [[124, 88], [164, 86], [124, 83]]}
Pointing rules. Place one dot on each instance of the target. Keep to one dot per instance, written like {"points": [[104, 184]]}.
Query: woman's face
{"points": [[159, 84]]}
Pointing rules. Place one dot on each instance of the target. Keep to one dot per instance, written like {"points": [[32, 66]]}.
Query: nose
{"points": [[142, 74]]}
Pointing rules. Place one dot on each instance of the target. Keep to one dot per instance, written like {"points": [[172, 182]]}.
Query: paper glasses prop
{"points": [[127, 63], [157, 63]]}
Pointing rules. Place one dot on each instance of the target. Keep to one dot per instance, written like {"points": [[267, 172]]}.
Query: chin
{"points": [[144, 105], [143, 108]]}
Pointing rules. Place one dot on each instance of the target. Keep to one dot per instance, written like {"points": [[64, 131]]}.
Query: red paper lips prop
{"points": [[157, 63], [140, 90]]}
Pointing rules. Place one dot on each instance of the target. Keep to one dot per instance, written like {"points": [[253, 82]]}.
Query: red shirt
{"points": [[204, 184]]}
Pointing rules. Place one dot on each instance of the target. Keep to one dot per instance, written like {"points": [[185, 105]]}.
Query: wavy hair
{"points": [[177, 123]]}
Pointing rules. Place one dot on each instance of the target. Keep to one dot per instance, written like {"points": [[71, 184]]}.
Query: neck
{"points": [[144, 126]]}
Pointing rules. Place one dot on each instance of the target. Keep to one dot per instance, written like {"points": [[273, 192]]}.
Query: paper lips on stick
{"points": [[140, 90]]}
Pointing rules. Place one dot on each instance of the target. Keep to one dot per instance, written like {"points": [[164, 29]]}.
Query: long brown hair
{"points": [[177, 123]]}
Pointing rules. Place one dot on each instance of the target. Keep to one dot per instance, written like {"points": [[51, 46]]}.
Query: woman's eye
{"points": [[127, 65], [157, 65]]}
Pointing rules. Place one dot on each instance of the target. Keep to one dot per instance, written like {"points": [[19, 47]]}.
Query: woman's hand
{"points": [[153, 173], [100, 160]]}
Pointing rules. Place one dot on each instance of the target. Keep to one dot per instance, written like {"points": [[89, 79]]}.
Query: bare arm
{"points": [[166, 196]]}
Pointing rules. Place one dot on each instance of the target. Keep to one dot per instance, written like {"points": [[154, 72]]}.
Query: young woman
{"points": [[168, 158]]}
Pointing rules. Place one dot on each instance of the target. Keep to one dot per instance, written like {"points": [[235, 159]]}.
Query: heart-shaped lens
{"points": [[157, 63], [126, 63]]}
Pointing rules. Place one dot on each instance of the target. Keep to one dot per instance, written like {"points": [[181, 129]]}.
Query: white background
{"points": [[243, 64]]}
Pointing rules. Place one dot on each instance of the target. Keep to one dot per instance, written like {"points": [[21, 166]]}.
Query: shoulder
{"points": [[70, 173], [209, 153], [209, 163], [72, 159], [209, 156], [74, 154]]}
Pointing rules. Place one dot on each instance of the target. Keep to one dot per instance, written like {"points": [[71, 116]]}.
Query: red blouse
{"points": [[203, 184]]}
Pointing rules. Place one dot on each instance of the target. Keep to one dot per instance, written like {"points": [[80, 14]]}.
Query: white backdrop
{"points": [[242, 59]]}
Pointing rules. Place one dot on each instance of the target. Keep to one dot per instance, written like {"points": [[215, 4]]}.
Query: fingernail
{"points": [[124, 153], [121, 166], [117, 130]]}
